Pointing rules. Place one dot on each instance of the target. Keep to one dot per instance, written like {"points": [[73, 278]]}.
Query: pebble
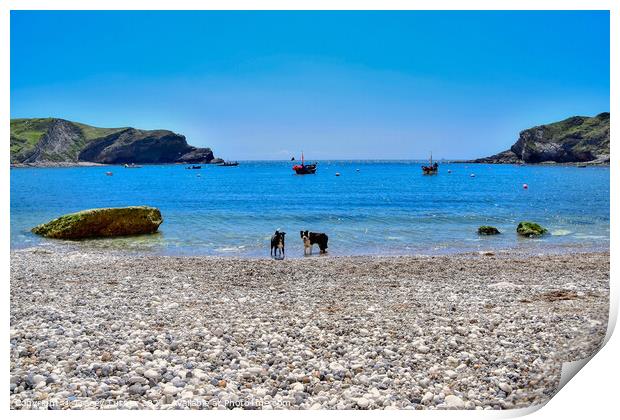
{"points": [[136, 390], [452, 401], [298, 387], [505, 387], [152, 374], [427, 397], [170, 390], [362, 402]]}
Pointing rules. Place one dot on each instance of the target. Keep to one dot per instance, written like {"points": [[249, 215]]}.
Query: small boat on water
{"points": [[132, 166], [431, 169], [194, 167], [305, 169], [229, 164]]}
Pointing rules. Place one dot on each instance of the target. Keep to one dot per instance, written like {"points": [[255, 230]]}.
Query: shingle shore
{"points": [[93, 330]]}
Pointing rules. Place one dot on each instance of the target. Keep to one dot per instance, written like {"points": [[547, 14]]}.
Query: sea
{"points": [[370, 208]]}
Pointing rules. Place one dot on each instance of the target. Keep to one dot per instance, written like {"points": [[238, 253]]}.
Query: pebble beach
{"points": [[101, 330]]}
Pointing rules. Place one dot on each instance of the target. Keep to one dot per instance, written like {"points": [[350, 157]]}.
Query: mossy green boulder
{"points": [[488, 230], [530, 229], [103, 222]]}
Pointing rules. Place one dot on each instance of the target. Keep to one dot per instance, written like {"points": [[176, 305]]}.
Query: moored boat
{"points": [[305, 169], [431, 169], [229, 164]]}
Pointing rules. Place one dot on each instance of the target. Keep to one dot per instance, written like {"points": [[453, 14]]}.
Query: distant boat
{"points": [[194, 167], [304, 169], [431, 169], [132, 166], [109, 173], [229, 164]]}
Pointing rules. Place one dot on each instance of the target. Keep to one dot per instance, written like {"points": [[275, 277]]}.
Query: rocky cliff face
{"points": [[576, 139], [60, 142], [139, 146], [56, 140]]}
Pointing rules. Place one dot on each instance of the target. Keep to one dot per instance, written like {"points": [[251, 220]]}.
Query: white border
{"points": [[580, 398]]}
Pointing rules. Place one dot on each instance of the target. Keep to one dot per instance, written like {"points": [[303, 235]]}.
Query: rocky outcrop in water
{"points": [[530, 229], [488, 230], [574, 140], [102, 223], [52, 140]]}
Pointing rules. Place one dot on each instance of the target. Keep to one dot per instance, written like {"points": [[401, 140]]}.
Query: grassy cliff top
{"points": [[26, 133], [91, 133], [580, 127]]}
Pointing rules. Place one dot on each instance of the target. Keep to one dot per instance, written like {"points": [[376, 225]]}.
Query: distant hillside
{"points": [[575, 139], [54, 140]]}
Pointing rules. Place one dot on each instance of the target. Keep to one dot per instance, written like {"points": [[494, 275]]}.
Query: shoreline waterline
{"points": [[83, 247]]}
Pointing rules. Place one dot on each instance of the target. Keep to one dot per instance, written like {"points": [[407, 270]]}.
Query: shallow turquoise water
{"points": [[384, 208]]}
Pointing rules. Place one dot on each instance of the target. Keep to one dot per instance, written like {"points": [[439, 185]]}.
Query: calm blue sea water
{"points": [[384, 208]]}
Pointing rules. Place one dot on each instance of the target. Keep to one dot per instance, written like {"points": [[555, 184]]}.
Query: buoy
{"points": [[357, 170], [472, 175], [109, 173], [525, 187], [337, 173], [449, 171]]}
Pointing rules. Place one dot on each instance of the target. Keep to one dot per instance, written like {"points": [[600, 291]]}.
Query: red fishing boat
{"points": [[305, 169], [431, 169]]}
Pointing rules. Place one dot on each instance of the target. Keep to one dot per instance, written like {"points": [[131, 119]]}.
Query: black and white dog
{"points": [[277, 245], [311, 238]]}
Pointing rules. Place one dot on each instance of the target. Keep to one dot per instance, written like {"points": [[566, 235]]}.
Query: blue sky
{"points": [[355, 85]]}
